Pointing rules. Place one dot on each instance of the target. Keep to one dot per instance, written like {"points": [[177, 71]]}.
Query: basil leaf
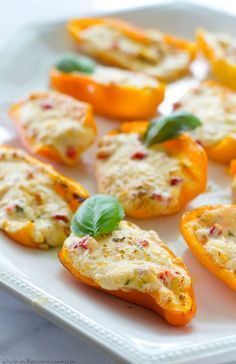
{"points": [[99, 214], [70, 63], [169, 127]]}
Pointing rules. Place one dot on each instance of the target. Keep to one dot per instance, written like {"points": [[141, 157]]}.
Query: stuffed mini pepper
{"points": [[211, 235], [111, 254], [215, 105], [124, 45], [54, 125], [112, 92], [150, 168], [220, 51], [36, 202]]}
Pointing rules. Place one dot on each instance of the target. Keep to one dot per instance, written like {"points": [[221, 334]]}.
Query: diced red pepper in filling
{"points": [[164, 276], [176, 105], [71, 152], [10, 208], [139, 155], [46, 105], [175, 181], [215, 230], [83, 243], [61, 217], [157, 196], [143, 243]]}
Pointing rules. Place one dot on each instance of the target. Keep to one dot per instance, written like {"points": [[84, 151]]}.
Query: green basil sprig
{"points": [[98, 215], [169, 127], [72, 63]]}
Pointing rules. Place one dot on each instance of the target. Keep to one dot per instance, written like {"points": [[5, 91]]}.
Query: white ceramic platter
{"points": [[129, 332]]}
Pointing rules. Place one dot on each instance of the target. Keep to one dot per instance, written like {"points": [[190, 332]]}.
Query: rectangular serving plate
{"points": [[126, 331]]}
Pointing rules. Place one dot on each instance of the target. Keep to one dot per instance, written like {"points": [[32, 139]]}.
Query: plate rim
{"points": [[64, 316]]}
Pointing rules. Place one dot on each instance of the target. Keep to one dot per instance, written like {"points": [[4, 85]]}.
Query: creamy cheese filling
{"points": [[139, 177], [216, 231], [224, 45], [57, 120], [156, 58], [27, 195], [216, 108], [109, 75], [130, 258]]}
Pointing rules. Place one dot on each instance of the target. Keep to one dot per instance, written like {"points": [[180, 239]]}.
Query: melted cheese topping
{"points": [[216, 108], [157, 58], [140, 177], [130, 259], [110, 75], [27, 195], [56, 120], [216, 231], [224, 45]]}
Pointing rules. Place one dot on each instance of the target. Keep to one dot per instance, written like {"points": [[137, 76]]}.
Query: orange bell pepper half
{"points": [[192, 158], [111, 99], [222, 67], [143, 60], [70, 191], [223, 150], [55, 143], [211, 218], [177, 316]]}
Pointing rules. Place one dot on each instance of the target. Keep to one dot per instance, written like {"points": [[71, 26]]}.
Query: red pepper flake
{"points": [[71, 152], [176, 181], [176, 105], [139, 155], [61, 217], [46, 105]]}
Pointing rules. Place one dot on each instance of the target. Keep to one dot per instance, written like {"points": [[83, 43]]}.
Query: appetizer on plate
{"points": [[211, 235], [36, 202], [111, 91], [124, 45], [220, 50], [54, 125], [215, 105], [116, 256], [150, 168]]}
